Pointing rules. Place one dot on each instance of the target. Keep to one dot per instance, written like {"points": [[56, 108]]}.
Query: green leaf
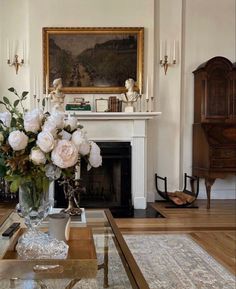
{"points": [[2, 171], [13, 122], [16, 102], [24, 93], [15, 185], [11, 89], [31, 140], [6, 100]]}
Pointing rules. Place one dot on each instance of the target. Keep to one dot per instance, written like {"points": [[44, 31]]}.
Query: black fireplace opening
{"points": [[108, 186]]}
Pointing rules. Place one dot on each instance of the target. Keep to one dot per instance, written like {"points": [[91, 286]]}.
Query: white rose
{"points": [[57, 118], [65, 135], [50, 127], [32, 121], [84, 148], [37, 157], [5, 117], [78, 137], [95, 158], [72, 122], [65, 154], [45, 141], [18, 140]]}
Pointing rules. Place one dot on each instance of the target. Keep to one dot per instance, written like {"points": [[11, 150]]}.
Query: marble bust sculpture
{"points": [[130, 96], [57, 96]]}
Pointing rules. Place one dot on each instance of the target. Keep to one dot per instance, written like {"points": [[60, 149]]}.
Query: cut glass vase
{"points": [[34, 205]]}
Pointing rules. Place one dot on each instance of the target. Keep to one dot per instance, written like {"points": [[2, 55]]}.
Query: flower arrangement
{"points": [[39, 147]]}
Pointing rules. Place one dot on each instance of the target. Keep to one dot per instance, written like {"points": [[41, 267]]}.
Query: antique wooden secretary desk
{"points": [[214, 128]]}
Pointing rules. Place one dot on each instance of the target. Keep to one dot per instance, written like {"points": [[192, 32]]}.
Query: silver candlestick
{"points": [[147, 101], [152, 103], [140, 103]]}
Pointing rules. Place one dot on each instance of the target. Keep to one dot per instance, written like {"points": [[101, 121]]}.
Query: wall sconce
{"points": [[17, 62], [168, 54]]}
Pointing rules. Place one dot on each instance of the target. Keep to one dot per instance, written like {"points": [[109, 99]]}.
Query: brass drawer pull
{"points": [[48, 269]]}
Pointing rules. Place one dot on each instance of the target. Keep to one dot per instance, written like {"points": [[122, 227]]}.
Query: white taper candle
{"points": [[147, 89], [161, 51], [174, 51], [8, 49]]}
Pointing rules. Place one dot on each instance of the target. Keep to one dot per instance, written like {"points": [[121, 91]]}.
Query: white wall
{"points": [[204, 29], [13, 27], [210, 30]]}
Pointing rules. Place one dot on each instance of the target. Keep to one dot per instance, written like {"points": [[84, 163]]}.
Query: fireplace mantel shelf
{"points": [[115, 115]]}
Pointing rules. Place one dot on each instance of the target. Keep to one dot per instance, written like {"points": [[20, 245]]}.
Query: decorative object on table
{"points": [[35, 150], [129, 97], [72, 189], [101, 105], [114, 104], [99, 59], [79, 104], [59, 226], [56, 96]]}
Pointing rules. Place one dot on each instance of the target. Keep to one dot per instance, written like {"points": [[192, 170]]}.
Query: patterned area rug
{"points": [[177, 262], [167, 262]]}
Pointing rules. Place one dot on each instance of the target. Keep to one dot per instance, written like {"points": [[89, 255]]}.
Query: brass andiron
{"points": [[16, 63]]}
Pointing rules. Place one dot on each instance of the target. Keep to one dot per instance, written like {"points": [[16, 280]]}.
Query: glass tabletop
{"points": [[116, 267]]}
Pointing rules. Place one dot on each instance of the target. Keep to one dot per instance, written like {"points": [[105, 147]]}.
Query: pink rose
{"points": [[65, 154]]}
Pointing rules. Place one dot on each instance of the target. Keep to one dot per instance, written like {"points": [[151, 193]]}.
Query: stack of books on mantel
{"points": [[78, 105], [114, 104]]}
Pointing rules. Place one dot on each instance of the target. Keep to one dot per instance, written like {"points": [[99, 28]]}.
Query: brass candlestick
{"points": [[16, 63]]}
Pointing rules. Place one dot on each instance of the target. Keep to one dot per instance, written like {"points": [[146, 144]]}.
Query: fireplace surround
{"points": [[124, 128]]}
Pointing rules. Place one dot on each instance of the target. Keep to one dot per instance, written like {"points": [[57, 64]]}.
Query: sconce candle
{"points": [[174, 51], [8, 49], [16, 62], [167, 61], [161, 46]]}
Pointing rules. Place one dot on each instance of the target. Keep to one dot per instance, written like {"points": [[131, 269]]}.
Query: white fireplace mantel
{"points": [[120, 126], [114, 115]]}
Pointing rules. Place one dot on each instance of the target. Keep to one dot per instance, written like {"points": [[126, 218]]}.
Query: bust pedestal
{"points": [[129, 108]]}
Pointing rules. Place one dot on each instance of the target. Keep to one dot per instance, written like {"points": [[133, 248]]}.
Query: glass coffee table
{"points": [[98, 258]]}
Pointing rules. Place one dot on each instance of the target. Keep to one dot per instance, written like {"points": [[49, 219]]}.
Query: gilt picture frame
{"points": [[93, 60]]}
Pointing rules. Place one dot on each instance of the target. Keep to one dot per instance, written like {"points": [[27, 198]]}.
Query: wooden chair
{"points": [[180, 199]]}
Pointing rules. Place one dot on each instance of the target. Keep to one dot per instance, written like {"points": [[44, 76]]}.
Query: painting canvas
{"points": [[93, 60]]}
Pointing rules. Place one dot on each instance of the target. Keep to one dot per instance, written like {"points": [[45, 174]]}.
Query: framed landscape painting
{"points": [[93, 60]]}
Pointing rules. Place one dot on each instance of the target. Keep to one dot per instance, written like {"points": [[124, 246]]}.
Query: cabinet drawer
{"points": [[223, 163], [223, 153]]}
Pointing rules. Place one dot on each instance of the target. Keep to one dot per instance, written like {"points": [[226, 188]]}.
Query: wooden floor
{"points": [[214, 229]]}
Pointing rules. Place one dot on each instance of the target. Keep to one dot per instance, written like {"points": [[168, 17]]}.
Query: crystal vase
{"points": [[34, 201], [34, 205]]}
